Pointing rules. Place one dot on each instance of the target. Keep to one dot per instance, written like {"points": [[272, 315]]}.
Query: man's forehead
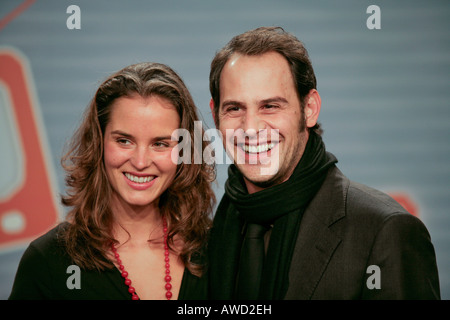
{"points": [[256, 77]]}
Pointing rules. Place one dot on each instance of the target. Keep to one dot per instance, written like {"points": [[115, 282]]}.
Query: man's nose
{"points": [[253, 123]]}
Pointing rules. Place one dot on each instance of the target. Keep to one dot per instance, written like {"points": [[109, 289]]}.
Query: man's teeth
{"points": [[259, 148], [139, 179]]}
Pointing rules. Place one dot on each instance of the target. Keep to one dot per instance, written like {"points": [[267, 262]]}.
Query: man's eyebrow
{"points": [[274, 99], [265, 101]]}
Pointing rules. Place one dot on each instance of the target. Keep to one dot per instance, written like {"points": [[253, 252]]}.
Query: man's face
{"points": [[257, 93]]}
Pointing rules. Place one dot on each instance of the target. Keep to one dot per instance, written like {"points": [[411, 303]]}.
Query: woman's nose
{"points": [[141, 158]]}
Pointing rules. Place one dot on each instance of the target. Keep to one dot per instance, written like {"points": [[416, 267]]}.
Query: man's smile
{"points": [[265, 147]]}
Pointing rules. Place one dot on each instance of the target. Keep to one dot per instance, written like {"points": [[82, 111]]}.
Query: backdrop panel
{"points": [[385, 92]]}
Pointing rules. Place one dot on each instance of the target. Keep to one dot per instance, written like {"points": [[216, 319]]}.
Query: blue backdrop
{"points": [[385, 92]]}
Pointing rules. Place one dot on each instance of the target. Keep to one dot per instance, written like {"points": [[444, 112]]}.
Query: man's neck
{"points": [[252, 187]]}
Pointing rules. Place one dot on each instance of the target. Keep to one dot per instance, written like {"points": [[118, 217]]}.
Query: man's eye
{"points": [[232, 108], [270, 106]]}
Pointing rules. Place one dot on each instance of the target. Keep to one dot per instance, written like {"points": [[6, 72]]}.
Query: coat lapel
{"points": [[316, 243]]}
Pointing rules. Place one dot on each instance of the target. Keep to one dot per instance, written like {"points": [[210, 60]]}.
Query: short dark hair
{"points": [[257, 42]]}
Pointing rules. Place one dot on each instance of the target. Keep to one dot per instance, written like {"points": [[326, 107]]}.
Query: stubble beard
{"points": [[287, 163]]}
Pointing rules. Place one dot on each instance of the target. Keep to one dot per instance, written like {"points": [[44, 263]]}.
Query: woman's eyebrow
{"points": [[122, 133]]}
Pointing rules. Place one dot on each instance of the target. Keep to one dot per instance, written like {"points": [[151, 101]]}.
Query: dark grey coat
{"points": [[347, 228]]}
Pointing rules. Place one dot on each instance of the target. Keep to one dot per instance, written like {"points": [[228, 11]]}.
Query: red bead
{"points": [[167, 278]]}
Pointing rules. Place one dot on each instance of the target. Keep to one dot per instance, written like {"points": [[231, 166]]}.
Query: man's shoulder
{"points": [[359, 213], [363, 197], [371, 209], [342, 197], [356, 196]]}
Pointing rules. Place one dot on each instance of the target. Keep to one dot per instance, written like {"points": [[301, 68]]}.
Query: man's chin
{"points": [[260, 180]]}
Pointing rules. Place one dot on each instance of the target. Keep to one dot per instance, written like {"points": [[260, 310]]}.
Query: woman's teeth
{"points": [[139, 179]]}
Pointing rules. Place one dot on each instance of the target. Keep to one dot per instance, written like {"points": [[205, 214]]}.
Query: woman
{"points": [[138, 221]]}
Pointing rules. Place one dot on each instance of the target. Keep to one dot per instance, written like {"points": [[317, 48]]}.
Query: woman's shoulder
{"points": [[48, 248], [51, 240], [44, 259]]}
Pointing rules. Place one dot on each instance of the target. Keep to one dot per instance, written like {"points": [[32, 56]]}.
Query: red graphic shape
{"points": [[33, 202], [12, 15], [406, 202]]}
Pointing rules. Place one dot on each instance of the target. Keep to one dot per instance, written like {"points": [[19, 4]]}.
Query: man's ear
{"points": [[312, 108], [211, 106]]}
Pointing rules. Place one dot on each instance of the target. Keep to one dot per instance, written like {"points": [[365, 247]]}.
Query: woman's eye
{"points": [[161, 144], [124, 142]]}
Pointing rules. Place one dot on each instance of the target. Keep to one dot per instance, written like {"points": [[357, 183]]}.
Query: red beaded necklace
{"points": [[167, 277]]}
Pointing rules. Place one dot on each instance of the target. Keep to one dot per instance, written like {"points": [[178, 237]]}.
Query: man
{"points": [[323, 236]]}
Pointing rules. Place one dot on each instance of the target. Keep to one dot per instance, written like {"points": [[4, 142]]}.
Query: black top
{"points": [[44, 273]]}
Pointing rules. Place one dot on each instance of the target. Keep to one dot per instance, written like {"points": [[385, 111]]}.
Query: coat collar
{"points": [[316, 242]]}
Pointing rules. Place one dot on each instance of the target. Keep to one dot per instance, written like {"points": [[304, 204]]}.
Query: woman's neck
{"points": [[136, 224]]}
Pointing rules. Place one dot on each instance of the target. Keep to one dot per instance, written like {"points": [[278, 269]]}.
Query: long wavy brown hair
{"points": [[187, 204]]}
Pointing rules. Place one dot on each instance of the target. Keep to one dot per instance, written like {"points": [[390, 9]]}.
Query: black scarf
{"points": [[281, 205]]}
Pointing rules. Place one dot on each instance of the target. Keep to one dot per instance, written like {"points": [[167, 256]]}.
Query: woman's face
{"points": [[137, 149]]}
